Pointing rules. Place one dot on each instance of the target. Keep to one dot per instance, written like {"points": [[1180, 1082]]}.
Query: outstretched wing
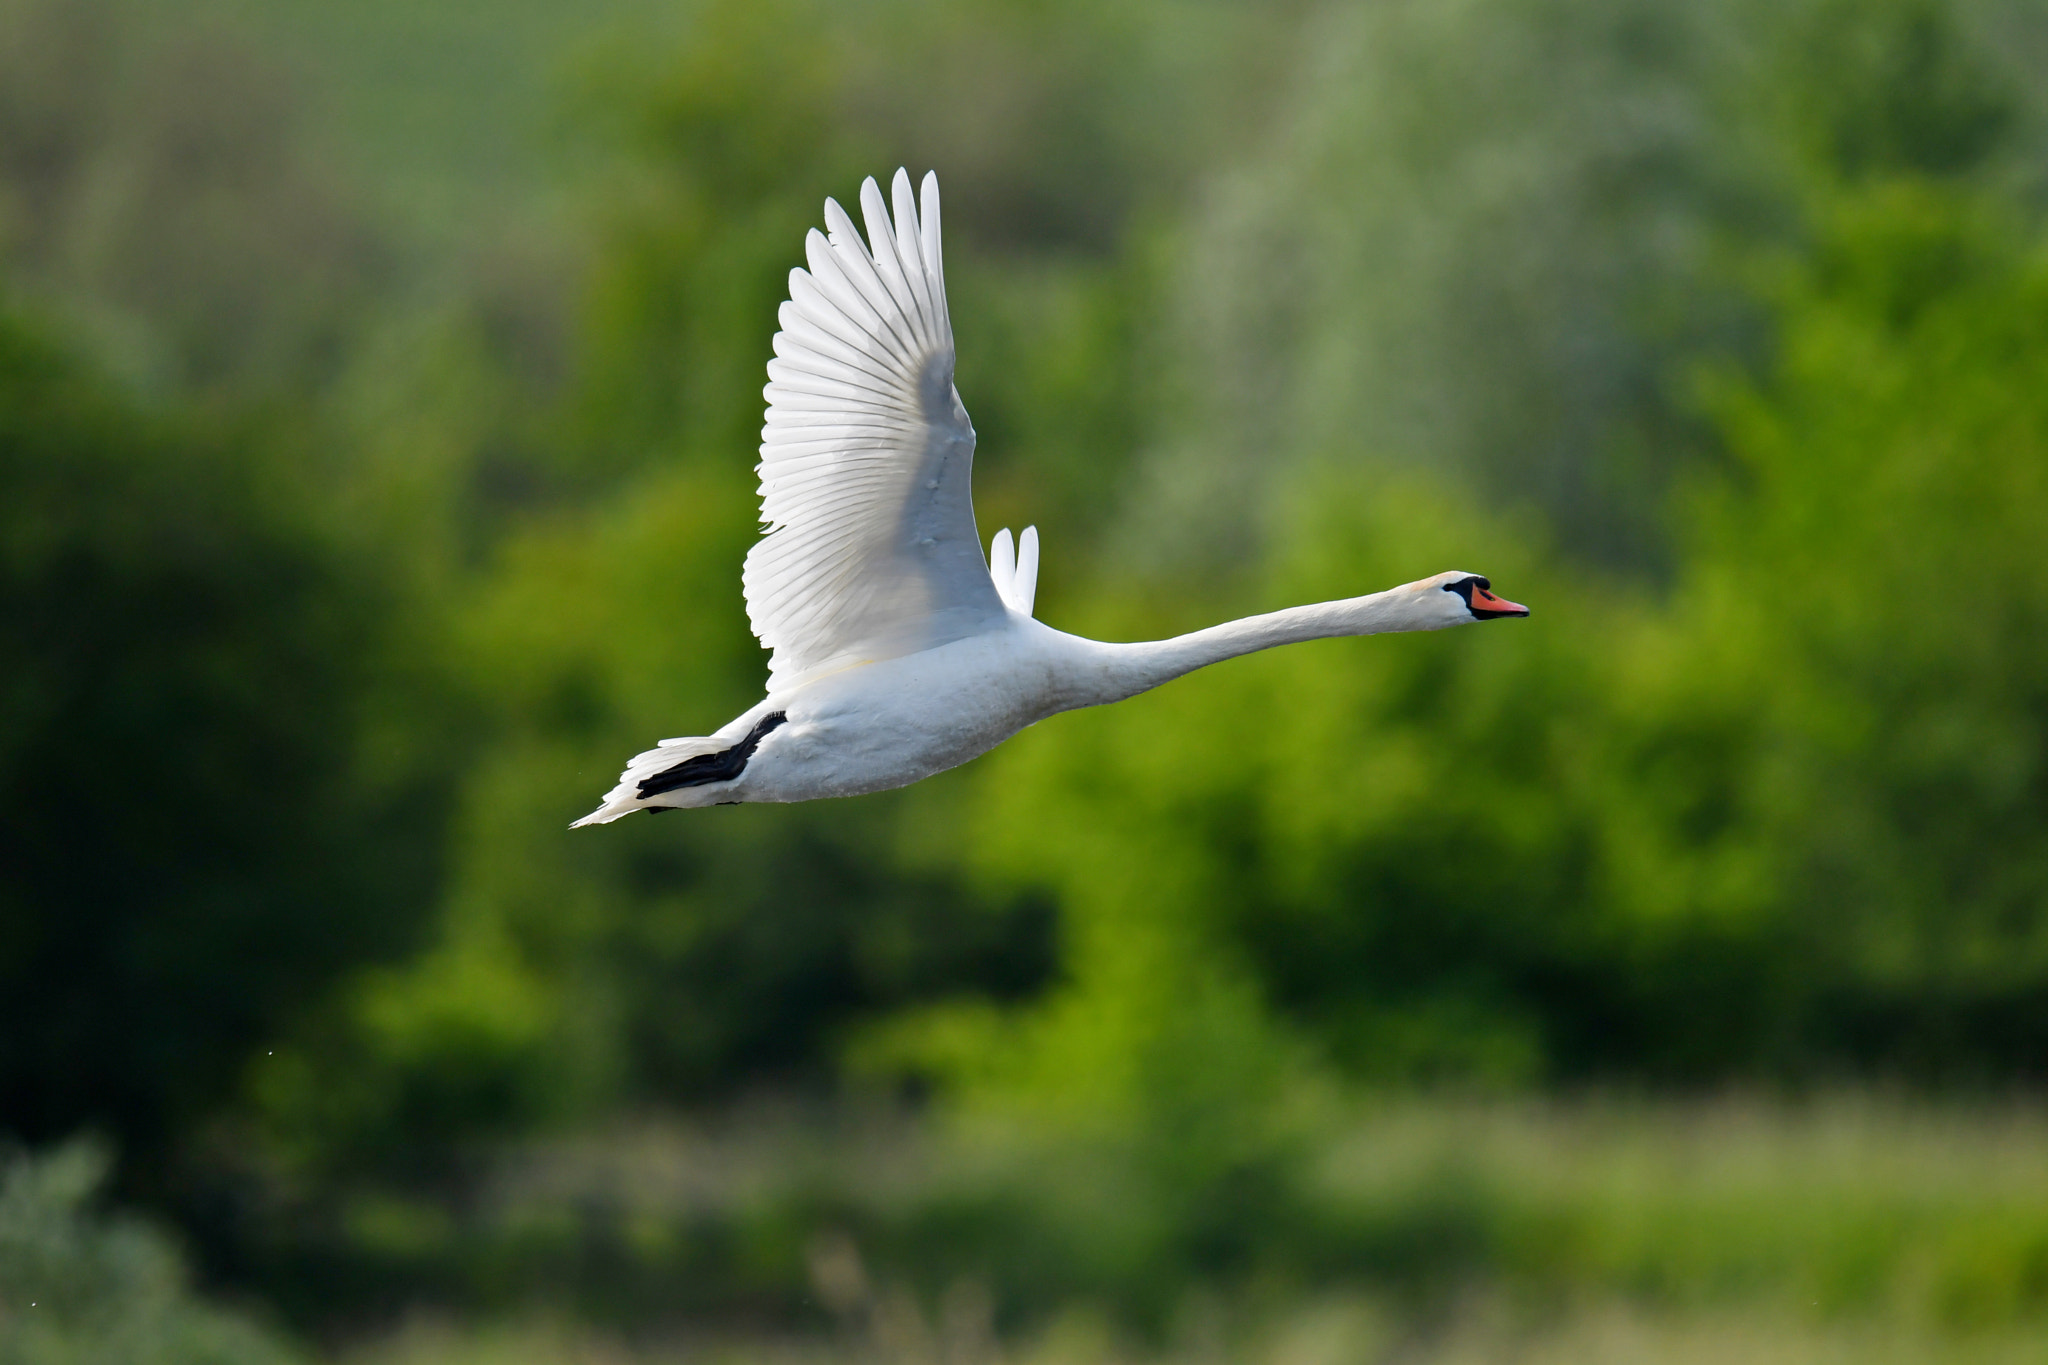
{"points": [[870, 550]]}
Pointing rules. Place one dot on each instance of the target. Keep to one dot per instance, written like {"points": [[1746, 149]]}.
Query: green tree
{"points": [[195, 836], [76, 1284]]}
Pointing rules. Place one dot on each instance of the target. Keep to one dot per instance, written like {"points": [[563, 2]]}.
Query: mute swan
{"points": [[897, 651]]}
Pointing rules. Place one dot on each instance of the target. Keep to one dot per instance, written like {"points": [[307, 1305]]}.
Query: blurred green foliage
{"points": [[341, 570], [162, 201], [78, 1285], [200, 829], [1839, 1214]]}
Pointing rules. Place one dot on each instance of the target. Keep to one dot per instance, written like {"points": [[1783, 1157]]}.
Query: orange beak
{"points": [[1482, 600]]}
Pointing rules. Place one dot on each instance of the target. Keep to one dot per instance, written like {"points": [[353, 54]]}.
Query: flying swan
{"points": [[897, 651]]}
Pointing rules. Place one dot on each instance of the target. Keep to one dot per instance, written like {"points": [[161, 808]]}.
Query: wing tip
{"points": [[1002, 562], [1024, 582]]}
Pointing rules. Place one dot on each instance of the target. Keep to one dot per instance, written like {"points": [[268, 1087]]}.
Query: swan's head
{"points": [[1462, 598]]}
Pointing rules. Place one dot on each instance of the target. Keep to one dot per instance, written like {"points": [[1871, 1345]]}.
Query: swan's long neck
{"points": [[1111, 672]]}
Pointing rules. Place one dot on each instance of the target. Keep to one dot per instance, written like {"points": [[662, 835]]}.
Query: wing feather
{"points": [[1023, 590], [934, 262], [889, 266], [1002, 562], [913, 261], [869, 549]]}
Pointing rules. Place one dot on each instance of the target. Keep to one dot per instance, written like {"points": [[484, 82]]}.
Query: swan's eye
{"points": [[1465, 587]]}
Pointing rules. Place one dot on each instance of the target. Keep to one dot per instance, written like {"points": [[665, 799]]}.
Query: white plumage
{"points": [[897, 651], [871, 548], [1015, 570]]}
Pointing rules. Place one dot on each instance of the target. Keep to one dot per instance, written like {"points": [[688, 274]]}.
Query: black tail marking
{"points": [[705, 769]]}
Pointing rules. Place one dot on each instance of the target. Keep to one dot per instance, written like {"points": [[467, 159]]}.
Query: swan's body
{"points": [[899, 651]]}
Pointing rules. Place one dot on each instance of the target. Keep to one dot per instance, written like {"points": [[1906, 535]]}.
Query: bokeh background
{"points": [[1664, 978]]}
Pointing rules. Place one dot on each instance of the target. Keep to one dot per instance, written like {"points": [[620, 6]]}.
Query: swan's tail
{"points": [[644, 772], [678, 765]]}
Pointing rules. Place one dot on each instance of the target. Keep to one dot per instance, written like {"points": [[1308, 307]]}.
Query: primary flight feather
{"points": [[897, 650]]}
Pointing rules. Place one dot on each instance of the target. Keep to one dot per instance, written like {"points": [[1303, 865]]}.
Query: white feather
{"points": [[624, 798], [1002, 562], [1024, 583], [866, 454]]}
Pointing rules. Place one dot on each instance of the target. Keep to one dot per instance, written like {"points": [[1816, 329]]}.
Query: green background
{"points": [[1665, 976]]}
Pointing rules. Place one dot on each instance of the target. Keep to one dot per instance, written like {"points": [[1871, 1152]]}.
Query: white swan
{"points": [[897, 651]]}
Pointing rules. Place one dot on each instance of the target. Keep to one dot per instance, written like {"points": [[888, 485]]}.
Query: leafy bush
{"points": [[194, 840], [79, 1286]]}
